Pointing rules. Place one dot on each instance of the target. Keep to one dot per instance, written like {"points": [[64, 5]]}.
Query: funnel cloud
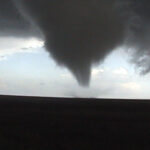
{"points": [[81, 33]]}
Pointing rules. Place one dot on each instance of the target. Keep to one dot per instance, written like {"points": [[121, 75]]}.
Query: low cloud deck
{"points": [[73, 124]]}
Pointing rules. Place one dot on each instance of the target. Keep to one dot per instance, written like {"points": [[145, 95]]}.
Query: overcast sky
{"points": [[53, 52], [27, 69]]}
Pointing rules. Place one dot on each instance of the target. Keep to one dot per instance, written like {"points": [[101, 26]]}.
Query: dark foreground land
{"points": [[30, 123]]}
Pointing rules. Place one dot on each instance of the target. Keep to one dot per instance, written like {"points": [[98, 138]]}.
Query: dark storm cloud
{"points": [[138, 34], [12, 23], [80, 33]]}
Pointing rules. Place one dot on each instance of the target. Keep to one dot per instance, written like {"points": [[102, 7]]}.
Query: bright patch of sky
{"points": [[27, 69]]}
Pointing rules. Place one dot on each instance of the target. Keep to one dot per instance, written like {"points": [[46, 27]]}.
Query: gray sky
{"points": [[27, 69], [54, 52]]}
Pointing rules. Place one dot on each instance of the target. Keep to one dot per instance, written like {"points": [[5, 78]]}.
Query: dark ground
{"points": [[30, 123]]}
